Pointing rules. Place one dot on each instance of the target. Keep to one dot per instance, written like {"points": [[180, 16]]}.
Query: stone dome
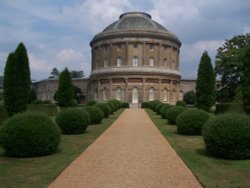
{"points": [[135, 23]]}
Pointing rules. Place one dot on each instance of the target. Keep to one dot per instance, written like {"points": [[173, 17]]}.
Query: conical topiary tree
{"points": [[17, 81], [65, 90], [205, 84]]}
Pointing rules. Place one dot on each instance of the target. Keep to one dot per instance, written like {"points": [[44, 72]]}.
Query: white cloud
{"points": [[246, 30], [69, 55], [38, 66]]}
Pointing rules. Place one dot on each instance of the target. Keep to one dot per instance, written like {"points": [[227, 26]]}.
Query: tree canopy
{"points": [[65, 90], [17, 81], [229, 63], [205, 84]]}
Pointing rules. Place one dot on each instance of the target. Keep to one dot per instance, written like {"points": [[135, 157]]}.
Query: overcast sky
{"points": [[57, 33]]}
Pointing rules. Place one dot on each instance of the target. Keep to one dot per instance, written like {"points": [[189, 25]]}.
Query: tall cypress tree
{"points": [[205, 84], [17, 81], [65, 90], [245, 86]]}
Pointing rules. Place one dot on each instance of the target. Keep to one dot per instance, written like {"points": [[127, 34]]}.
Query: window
{"points": [[151, 61], [151, 47], [118, 62], [151, 94], [135, 61], [104, 94], [165, 62], [135, 46], [96, 94], [118, 47], [165, 95], [118, 94], [105, 63]]}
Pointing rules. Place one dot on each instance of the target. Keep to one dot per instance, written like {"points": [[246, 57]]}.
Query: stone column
{"points": [[110, 89], [159, 90], [126, 90], [98, 90], [171, 91], [143, 54], [143, 89], [159, 55]]}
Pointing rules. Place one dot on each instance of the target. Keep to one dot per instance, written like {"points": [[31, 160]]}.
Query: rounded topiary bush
{"points": [[91, 103], [228, 136], [164, 109], [145, 105], [172, 113], [125, 105], [153, 104], [158, 108], [191, 121], [181, 103], [105, 108], [96, 115], [29, 134], [73, 120]]}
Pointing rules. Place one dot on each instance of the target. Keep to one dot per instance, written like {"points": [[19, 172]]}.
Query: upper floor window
{"points": [[118, 62], [151, 61], [165, 62], [151, 47], [135, 61], [135, 45], [105, 63], [118, 47]]}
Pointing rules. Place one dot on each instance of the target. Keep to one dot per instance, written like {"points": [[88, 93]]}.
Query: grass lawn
{"points": [[211, 172], [40, 171]]}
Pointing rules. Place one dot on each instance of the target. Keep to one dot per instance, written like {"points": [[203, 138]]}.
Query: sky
{"points": [[57, 33]]}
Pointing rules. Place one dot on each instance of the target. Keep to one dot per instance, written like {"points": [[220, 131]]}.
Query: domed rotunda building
{"points": [[135, 59]]}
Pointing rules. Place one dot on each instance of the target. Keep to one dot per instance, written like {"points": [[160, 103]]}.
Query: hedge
{"points": [[49, 109], [229, 108]]}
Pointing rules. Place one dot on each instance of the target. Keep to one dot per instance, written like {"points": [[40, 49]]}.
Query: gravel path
{"points": [[132, 153]]}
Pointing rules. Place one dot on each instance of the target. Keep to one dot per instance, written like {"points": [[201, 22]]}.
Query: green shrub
{"points": [[29, 134], [145, 105], [172, 113], [125, 105], [115, 105], [181, 103], [228, 136], [105, 108], [158, 107], [153, 104], [191, 121], [96, 115], [164, 109], [229, 108], [3, 114], [49, 109], [189, 97], [73, 120], [91, 103]]}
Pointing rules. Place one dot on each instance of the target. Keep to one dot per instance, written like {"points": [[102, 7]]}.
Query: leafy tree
{"points": [[189, 97], [78, 94], [17, 81], [205, 84], [246, 82], [32, 96], [54, 73], [229, 62], [65, 90]]}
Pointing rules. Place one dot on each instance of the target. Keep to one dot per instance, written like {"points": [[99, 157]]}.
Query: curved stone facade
{"points": [[135, 59]]}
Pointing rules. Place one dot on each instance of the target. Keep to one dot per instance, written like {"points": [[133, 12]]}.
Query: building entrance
{"points": [[135, 95]]}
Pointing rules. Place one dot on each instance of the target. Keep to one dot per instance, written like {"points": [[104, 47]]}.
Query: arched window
{"points": [[151, 47], [165, 62], [151, 61], [135, 61], [96, 94], [105, 94], [165, 95], [118, 62], [118, 94], [105, 63], [151, 94]]}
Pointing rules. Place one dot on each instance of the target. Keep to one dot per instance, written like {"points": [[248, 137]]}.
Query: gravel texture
{"points": [[132, 153]]}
